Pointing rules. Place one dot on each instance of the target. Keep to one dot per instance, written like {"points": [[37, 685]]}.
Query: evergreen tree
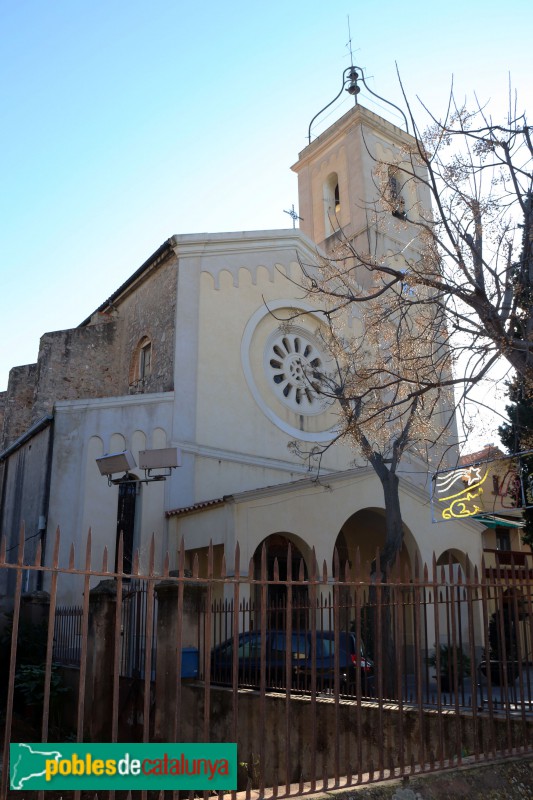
{"points": [[517, 434]]}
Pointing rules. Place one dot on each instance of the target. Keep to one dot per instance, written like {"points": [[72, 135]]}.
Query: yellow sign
{"points": [[500, 486]]}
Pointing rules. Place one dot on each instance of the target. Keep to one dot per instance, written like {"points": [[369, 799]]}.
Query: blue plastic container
{"points": [[189, 662]]}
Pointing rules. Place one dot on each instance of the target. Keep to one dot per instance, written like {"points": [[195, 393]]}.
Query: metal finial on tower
{"points": [[349, 42], [350, 78], [293, 215]]}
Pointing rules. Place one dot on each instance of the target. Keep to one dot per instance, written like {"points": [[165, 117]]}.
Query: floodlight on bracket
{"points": [[157, 465], [111, 463], [350, 78]]}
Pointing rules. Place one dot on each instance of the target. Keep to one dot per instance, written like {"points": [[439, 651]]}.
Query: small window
{"points": [[394, 189], [127, 499], [332, 203], [395, 194], [503, 539], [140, 365], [145, 361]]}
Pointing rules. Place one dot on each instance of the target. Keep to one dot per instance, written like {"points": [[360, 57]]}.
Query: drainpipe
{"points": [[45, 504], [3, 498]]}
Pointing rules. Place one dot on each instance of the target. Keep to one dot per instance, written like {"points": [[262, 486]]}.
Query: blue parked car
{"points": [[301, 661]]}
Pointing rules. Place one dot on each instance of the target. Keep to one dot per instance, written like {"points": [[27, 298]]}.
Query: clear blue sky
{"points": [[126, 122]]}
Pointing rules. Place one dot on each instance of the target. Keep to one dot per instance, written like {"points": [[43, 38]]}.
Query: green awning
{"points": [[498, 522]]}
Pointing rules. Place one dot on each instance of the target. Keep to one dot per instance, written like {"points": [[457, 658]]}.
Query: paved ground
{"points": [[515, 695]]}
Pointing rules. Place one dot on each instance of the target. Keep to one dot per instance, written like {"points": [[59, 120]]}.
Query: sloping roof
{"points": [[161, 252], [247, 493], [33, 430], [320, 484], [177, 512], [489, 452]]}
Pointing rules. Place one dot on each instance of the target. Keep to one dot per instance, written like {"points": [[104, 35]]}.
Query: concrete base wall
{"points": [[385, 738], [369, 740], [376, 739]]}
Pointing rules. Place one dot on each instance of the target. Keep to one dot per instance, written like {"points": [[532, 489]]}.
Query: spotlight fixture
{"points": [[166, 458], [157, 465], [111, 463]]}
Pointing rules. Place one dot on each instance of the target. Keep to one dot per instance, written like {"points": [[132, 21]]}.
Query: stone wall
{"points": [[76, 363], [98, 358], [18, 403], [149, 313], [379, 734], [304, 759]]}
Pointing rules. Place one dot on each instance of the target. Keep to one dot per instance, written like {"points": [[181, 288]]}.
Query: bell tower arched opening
{"points": [[332, 204]]}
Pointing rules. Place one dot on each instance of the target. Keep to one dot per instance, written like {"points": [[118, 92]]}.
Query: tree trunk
{"points": [[393, 543], [393, 515]]}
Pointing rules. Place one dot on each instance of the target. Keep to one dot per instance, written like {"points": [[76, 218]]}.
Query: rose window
{"points": [[295, 366]]}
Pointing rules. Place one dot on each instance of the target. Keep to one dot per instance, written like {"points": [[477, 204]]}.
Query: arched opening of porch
{"points": [[510, 643], [457, 558], [456, 606], [356, 546], [360, 537], [284, 575]]}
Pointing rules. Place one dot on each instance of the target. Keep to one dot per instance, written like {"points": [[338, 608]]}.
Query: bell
{"points": [[353, 88]]}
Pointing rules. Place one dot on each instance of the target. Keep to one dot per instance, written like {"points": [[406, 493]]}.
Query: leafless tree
{"points": [[381, 363], [478, 176], [397, 319], [460, 193]]}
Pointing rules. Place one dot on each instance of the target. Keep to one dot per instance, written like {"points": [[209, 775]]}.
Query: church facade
{"points": [[206, 348]]}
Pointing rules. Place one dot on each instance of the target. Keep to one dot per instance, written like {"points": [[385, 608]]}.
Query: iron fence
{"points": [[133, 631], [67, 635], [361, 676]]}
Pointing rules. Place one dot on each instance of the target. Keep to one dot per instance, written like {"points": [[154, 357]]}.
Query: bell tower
{"points": [[346, 174]]}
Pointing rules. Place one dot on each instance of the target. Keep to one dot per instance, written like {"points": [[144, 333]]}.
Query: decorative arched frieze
{"points": [[236, 276], [117, 443]]}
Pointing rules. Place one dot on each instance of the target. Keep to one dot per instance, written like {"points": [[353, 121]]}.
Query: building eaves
{"points": [[489, 453], [180, 512], [357, 115], [36, 428], [265, 491], [325, 483], [165, 249]]}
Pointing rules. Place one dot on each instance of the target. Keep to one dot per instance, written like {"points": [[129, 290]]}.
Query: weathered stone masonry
{"points": [[96, 359]]}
